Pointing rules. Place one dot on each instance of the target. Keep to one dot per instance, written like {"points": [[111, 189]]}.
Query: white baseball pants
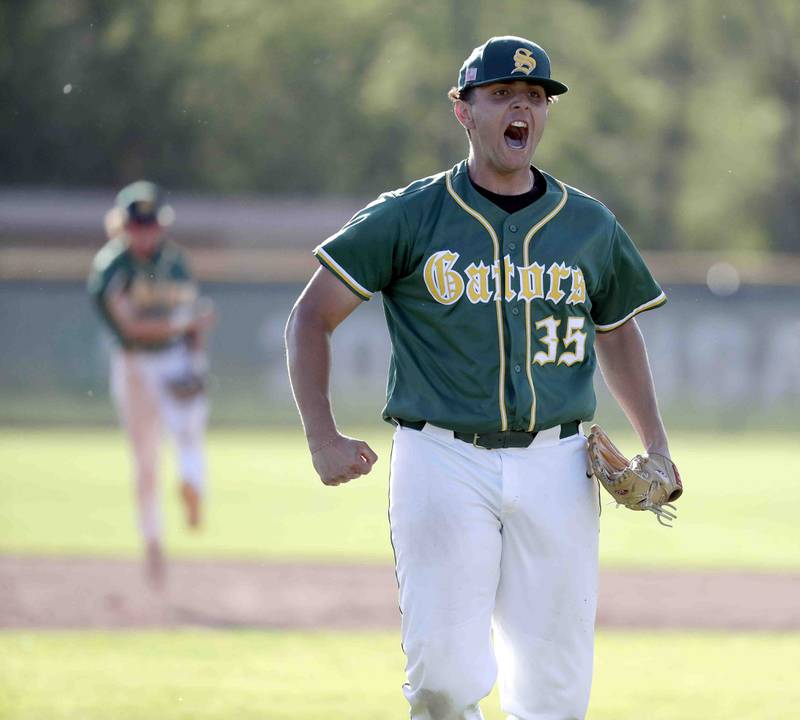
{"points": [[496, 558], [145, 405]]}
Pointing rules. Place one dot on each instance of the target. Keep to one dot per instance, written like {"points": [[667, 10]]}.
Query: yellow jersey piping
{"points": [[649, 305], [528, 334], [498, 302], [342, 274]]}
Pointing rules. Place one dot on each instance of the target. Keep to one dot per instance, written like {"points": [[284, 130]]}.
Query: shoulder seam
{"points": [[405, 192], [578, 193]]}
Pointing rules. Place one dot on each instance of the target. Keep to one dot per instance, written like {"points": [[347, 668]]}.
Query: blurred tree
{"points": [[683, 117], [776, 45], [675, 66], [91, 89]]}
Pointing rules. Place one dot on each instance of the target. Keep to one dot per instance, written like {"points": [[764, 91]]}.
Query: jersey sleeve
{"points": [[368, 252], [626, 287], [106, 275]]}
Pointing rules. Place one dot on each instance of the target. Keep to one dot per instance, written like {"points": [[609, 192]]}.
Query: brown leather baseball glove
{"points": [[647, 482]]}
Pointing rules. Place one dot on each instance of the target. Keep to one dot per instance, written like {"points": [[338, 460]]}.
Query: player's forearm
{"points": [[151, 330], [308, 352], [622, 356]]}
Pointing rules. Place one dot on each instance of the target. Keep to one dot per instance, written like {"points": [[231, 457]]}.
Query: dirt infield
{"points": [[40, 592]]}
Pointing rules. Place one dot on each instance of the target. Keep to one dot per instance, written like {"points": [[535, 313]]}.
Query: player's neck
{"points": [[515, 183]]}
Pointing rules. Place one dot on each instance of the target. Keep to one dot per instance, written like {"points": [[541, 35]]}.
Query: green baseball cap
{"points": [[508, 58], [144, 203]]}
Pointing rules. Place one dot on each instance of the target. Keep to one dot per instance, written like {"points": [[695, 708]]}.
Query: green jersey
{"points": [[159, 287], [492, 316]]}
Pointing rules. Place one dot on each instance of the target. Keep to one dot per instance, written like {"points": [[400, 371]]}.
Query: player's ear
{"points": [[463, 112]]}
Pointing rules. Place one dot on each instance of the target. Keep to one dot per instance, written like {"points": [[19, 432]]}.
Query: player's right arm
{"points": [[321, 307]]}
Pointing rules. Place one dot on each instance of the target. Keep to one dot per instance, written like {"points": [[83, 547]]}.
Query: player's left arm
{"points": [[622, 357]]}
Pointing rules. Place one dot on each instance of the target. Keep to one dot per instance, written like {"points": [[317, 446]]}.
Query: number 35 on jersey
{"points": [[482, 283]]}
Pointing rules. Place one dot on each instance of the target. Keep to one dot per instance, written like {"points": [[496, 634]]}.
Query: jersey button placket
{"points": [[516, 319], [512, 228]]}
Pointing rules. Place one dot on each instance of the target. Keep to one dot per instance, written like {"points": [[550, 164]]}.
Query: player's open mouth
{"points": [[516, 135]]}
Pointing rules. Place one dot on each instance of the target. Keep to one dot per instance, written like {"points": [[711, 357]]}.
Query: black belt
{"points": [[497, 440]]}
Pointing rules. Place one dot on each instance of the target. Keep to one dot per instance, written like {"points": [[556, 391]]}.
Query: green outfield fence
{"points": [[732, 362], [725, 349]]}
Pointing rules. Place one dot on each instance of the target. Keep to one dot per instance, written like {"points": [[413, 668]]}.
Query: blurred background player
{"points": [[145, 293]]}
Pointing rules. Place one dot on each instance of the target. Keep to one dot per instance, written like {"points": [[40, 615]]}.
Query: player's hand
{"points": [[341, 459]]}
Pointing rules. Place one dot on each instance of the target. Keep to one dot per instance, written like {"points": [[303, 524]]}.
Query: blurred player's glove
{"points": [[648, 482], [187, 386]]}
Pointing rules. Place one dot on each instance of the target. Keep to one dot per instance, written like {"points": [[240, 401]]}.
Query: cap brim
{"points": [[551, 87]]}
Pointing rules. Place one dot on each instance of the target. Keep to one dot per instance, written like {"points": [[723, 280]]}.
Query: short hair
{"points": [[455, 94]]}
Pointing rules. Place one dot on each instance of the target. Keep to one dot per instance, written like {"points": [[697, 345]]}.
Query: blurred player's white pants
{"points": [[145, 405], [495, 540]]}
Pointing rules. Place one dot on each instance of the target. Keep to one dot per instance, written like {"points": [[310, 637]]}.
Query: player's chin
{"points": [[517, 159]]}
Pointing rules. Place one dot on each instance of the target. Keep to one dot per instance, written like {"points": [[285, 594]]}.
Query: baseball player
{"points": [[146, 296], [503, 287]]}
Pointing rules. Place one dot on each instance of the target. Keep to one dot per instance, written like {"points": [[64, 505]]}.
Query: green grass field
{"points": [[69, 492], [191, 675]]}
